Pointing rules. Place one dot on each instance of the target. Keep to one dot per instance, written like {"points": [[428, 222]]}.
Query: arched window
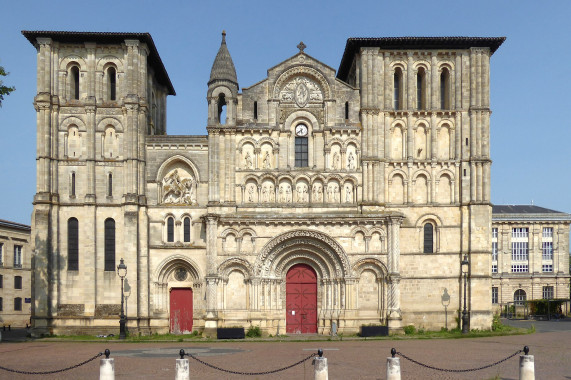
{"points": [[186, 237], [421, 89], [110, 185], [221, 109], [74, 82], [72, 185], [428, 238], [397, 88], [519, 297], [346, 110], [109, 244], [170, 229], [72, 244], [301, 146], [111, 83], [445, 89], [255, 110]]}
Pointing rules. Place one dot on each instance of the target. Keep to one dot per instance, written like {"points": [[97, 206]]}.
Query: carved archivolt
{"points": [[169, 265], [312, 76], [236, 263], [323, 247], [371, 263]]}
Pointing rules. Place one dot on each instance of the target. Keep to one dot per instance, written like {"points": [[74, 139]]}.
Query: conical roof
{"points": [[223, 67]]}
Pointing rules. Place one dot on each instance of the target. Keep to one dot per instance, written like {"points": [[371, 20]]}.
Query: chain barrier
{"points": [[250, 373], [458, 370], [54, 371]]}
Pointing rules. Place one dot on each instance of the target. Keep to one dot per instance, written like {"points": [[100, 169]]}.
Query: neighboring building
{"points": [[15, 274], [317, 198], [530, 254]]}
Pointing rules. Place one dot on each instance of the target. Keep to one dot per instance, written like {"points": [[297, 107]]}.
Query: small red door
{"points": [[181, 311], [301, 300]]}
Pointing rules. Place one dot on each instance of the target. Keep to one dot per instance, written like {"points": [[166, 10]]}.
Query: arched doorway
{"points": [[301, 300], [181, 310]]}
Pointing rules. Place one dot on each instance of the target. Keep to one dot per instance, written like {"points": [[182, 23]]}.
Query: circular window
{"points": [[180, 274]]}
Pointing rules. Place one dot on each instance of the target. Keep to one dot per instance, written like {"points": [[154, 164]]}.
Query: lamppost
{"points": [[122, 272], [445, 303], [465, 318]]}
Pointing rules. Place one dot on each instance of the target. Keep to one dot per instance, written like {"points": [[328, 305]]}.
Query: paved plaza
{"points": [[347, 359]]}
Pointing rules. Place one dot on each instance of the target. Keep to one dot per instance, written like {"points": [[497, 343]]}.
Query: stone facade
{"points": [[374, 180], [15, 274], [530, 254]]}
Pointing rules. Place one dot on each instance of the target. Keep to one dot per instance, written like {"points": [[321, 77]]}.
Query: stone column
{"points": [[387, 81], [434, 82], [408, 99], [211, 322], [394, 311], [433, 140]]}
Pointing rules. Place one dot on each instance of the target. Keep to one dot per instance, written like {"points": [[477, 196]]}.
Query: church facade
{"points": [[319, 200]]}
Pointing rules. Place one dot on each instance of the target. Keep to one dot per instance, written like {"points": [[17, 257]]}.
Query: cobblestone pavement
{"points": [[347, 359]]}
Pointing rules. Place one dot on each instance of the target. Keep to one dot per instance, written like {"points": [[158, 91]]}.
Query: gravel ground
{"points": [[347, 359]]}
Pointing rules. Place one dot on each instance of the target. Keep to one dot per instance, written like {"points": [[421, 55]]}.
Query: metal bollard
{"points": [[393, 366], [107, 367], [182, 368], [321, 372], [526, 366]]}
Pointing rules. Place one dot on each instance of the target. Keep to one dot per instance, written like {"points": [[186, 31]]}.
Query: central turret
{"points": [[222, 88]]}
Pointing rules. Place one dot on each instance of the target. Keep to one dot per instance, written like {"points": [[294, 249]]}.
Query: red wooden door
{"points": [[181, 311], [301, 300]]}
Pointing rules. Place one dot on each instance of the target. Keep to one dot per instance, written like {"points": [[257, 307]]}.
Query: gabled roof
{"points": [[418, 43], [108, 38]]}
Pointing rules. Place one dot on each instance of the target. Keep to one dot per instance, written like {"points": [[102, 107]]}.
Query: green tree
{"points": [[4, 90]]}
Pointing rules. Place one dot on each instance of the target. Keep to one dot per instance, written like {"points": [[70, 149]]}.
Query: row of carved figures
{"points": [[285, 193], [335, 163]]}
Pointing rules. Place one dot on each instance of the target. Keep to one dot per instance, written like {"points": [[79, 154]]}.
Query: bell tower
{"points": [[222, 114], [222, 89]]}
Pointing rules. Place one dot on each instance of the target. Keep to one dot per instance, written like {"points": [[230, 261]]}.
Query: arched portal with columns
{"points": [[320, 254]]}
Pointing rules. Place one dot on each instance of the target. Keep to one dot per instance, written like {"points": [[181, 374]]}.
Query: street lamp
{"points": [[122, 272], [465, 318], [445, 303]]}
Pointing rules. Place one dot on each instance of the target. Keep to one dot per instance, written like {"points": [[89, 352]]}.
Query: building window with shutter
{"points": [[110, 244], [428, 238], [72, 244]]}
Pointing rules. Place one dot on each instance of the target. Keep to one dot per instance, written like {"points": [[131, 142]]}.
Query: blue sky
{"points": [[530, 73]]}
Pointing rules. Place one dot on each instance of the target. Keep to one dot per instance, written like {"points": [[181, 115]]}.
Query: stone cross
{"points": [[301, 47]]}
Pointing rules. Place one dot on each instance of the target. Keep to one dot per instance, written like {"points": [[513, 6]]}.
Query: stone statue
{"points": [[248, 164], [317, 193], [265, 194], [267, 161], [351, 161], [271, 192], [288, 193], [336, 160], [335, 192], [348, 194], [251, 193]]}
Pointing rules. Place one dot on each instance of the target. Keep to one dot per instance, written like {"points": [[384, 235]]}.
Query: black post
{"points": [[122, 320], [465, 328]]}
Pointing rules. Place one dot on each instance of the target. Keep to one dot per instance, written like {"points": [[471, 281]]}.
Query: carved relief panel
{"points": [[301, 91], [178, 187]]}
